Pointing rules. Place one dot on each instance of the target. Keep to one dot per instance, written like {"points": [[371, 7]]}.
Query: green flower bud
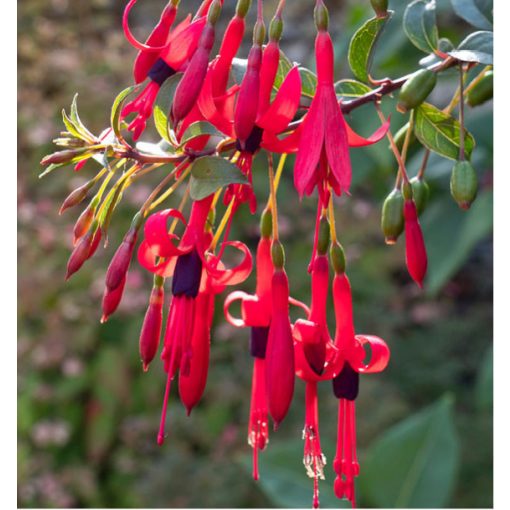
{"points": [[277, 254], [321, 16], [482, 91], [421, 193], [392, 219], [416, 89], [463, 184], [380, 7], [275, 29], [259, 33], [324, 235], [266, 224], [337, 255]]}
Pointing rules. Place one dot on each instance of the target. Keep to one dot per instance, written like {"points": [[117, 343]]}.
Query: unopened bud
{"points": [[85, 219], [276, 29], [151, 328], [61, 156], [337, 255], [463, 184], [324, 236], [259, 33], [392, 219], [416, 89], [482, 91], [85, 248], [111, 300], [77, 196], [266, 224], [321, 16], [416, 254], [119, 264]]}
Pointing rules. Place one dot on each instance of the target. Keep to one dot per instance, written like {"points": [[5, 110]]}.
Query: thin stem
{"points": [[332, 222], [279, 171], [461, 113], [272, 196], [407, 139], [423, 166], [180, 207], [171, 189], [222, 224]]}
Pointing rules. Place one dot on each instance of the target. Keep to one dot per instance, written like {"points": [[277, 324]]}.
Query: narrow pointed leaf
{"points": [[117, 109], [420, 24], [362, 46], [439, 132], [77, 121], [210, 173]]}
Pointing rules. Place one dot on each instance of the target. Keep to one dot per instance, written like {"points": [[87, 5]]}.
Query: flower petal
{"points": [[183, 43], [282, 110], [356, 140], [380, 354], [147, 259], [234, 275], [157, 236]]}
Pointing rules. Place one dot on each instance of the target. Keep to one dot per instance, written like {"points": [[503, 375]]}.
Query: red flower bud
{"points": [[188, 90], [77, 196], [85, 248], [119, 264], [111, 300], [151, 328], [192, 384], [416, 254], [280, 351], [84, 221], [247, 101]]}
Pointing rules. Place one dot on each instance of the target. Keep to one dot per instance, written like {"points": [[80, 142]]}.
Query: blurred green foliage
{"points": [[88, 415]]}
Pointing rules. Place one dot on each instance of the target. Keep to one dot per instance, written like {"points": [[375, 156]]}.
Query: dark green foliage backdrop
{"points": [[87, 414]]}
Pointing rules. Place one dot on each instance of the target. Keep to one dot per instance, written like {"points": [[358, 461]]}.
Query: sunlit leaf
{"points": [[117, 110], [163, 104], [197, 129]]}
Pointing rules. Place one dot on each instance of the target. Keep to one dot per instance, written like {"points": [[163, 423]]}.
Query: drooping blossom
{"points": [[189, 312]]}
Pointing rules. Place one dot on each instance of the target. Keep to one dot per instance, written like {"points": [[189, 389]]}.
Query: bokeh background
{"points": [[88, 415]]}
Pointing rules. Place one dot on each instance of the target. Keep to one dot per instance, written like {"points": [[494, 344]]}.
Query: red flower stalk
{"points": [[188, 90], [151, 327], [280, 350], [416, 253], [187, 263], [173, 51]]}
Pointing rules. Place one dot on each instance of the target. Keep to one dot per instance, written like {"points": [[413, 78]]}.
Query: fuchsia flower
{"points": [[173, 51], [197, 276]]}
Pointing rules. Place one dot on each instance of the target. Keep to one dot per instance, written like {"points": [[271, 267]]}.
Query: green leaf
{"points": [[451, 235], [162, 107], [420, 24], [284, 66], [439, 132], [414, 464], [351, 88], [474, 12], [77, 121], [476, 47], [69, 124], [283, 477], [362, 45], [210, 173], [197, 129], [155, 149], [117, 109], [308, 82]]}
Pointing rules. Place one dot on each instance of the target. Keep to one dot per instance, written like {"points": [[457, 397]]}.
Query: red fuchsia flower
{"points": [[256, 312], [252, 119], [323, 138], [195, 272], [416, 253], [165, 53], [346, 383]]}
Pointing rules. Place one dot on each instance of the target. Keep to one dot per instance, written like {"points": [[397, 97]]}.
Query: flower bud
{"points": [[421, 193], [380, 7], [119, 264], [111, 300], [151, 327], [321, 16], [482, 91], [84, 221], [83, 250], [463, 184], [392, 219], [62, 156], [416, 254], [266, 224], [77, 196], [416, 89], [280, 351], [276, 28]]}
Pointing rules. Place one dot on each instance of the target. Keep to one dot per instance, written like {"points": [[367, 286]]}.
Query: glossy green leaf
{"points": [[439, 132], [475, 12], [414, 464], [210, 173], [162, 107], [484, 388], [283, 477], [351, 88], [476, 47], [451, 234], [117, 110], [420, 24], [362, 45], [197, 129]]}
